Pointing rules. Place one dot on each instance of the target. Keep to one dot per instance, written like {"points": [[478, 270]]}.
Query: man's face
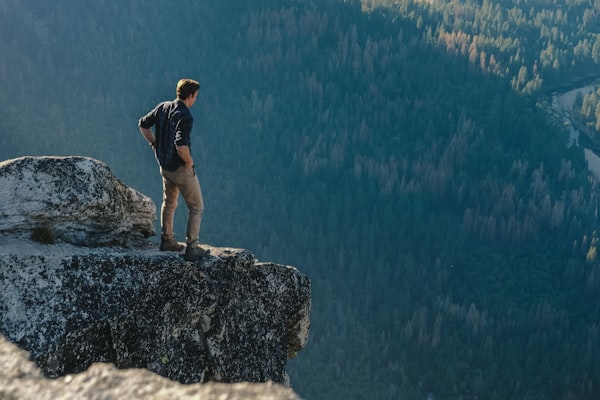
{"points": [[192, 98]]}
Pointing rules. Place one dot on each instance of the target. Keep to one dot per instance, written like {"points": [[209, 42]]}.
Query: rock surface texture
{"points": [[225, 318], [71, 199], [21, 379]]}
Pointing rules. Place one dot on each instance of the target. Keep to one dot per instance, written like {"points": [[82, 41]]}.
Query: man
{"points": [[172, 122]]}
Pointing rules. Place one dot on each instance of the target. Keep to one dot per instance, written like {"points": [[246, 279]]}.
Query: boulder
{"points": [[21, 379], [71, 199]]}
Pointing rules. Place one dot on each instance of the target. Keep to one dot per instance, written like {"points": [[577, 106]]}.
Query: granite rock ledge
{"points": [[226, 318]]}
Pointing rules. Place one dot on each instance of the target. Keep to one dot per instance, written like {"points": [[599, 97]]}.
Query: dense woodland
{"points": [[531, 44], [394, 151], [587, 108]]}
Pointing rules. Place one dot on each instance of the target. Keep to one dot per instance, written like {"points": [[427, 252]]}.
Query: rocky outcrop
{"points": [[21, 379], [226, 318], [71, 199]]}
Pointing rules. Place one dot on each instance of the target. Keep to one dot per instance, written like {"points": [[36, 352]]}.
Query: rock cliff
{"points": [[226, 318]]}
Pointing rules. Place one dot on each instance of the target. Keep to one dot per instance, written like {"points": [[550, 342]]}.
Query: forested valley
{"points": [[397, 152]]}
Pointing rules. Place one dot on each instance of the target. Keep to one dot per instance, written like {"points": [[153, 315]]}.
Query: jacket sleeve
{"points": [[183, 130], [148, 120]]}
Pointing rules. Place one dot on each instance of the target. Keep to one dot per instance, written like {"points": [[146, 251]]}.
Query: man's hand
{"points": [[147, 133], [186, 156]]}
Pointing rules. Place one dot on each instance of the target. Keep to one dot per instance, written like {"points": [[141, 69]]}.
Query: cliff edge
{"points": [[225, 318]]}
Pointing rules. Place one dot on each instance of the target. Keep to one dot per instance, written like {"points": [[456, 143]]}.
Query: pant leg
{"points": [[189, 186], [169, 204]]}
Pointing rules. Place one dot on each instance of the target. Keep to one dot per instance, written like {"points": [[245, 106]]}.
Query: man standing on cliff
{"points": [[170, 141]]}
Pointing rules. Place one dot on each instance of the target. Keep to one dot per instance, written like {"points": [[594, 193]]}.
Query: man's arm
{"points": [[147, 133], [185, 154]]}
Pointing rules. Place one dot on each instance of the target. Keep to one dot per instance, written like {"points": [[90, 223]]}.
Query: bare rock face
{"points": [[72, 199], [225, 318], [21, 379]]}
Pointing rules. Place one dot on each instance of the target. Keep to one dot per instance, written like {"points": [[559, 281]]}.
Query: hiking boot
{"points": [[170, 245], [194, 252]]}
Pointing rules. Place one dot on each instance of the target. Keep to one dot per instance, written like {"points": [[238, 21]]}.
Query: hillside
{"points": [[441, 217]]}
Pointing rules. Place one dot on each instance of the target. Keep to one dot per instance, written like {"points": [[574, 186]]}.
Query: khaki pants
{"points": [[181, 180]]}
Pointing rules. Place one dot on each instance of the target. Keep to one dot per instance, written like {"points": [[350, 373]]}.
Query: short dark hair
{"points": [[186, 88]]}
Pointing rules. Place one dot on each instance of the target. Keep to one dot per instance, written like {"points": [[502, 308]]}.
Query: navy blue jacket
{"points": [[173, 124]]}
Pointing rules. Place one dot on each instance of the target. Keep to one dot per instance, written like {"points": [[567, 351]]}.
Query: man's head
{"points": [[187, 90]]}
